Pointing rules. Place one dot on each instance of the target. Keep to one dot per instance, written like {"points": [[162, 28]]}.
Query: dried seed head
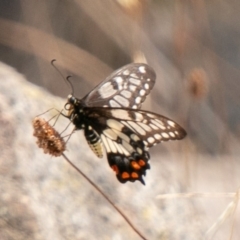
{"points": [[197, 83], [48, 138]]}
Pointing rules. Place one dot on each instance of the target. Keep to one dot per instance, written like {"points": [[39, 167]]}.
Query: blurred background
{"points": [[194, 48]]}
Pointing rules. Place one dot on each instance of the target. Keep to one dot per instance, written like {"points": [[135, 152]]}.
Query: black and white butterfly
{"points": [[110, 117]]}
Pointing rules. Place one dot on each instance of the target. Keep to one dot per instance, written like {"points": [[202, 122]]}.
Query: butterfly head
{"points": [[71, 100], [70, 106]]}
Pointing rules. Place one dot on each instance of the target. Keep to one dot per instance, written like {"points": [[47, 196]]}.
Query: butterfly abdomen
{"points": [[94, 141]]}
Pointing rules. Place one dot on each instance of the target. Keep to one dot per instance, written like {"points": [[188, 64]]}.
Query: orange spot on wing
{"points": [[115, 169], [141, 163], [135, 165], [134, 175], [125, 175]]}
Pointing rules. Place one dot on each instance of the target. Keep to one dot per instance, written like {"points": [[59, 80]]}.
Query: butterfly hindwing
{"points": [[146, 125], [127, 134], [125, 152], [127, 87]]}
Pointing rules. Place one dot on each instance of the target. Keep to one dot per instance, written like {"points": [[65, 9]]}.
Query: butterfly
{"points": [[112, 119]]}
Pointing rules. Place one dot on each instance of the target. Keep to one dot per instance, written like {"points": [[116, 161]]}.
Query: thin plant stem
{"points": [[106, 197]]}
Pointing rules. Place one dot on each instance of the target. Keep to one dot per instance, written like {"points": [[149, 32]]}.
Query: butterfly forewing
{"points": [[125, 88]]}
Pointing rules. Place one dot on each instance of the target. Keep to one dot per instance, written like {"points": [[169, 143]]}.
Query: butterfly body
{"points": [[110, 116], [78, 115]]}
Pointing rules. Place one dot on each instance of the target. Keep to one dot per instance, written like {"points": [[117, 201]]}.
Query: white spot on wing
{"points": [[105, 143], [119, 149], [146, 86], [122, 135], [139, 150], [106, 90], [126, 72], [126, 93], [119, 113], [150, 115], [137, 128], [111, 145], [171, 123], [135, 138], [142, 69], [114, 103], [115, 124], [135, 81], [123, 101], [137, 100], [158, 124], [151, 140], [165, 135], [125, 85], [110, 134], [134, 75], [171, 134], [132, 88], [157, 136], [118, 79], [126, 153], [159, 121], [127, 146], [120, 87], [153, 126], [142, 92], [127, 125], [145, 127], [138, 116]]}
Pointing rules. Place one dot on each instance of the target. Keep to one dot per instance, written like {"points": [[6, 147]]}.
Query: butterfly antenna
{"points": [[65, 79], [69, 82]]}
